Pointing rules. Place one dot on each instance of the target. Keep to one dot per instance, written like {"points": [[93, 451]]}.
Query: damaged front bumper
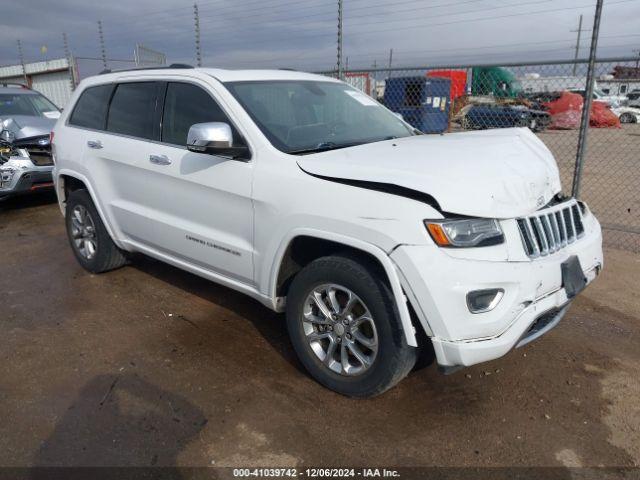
{"points": [[536, 295], [20, 175]]}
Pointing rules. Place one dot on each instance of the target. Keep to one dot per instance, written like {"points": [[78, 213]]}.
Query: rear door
{"points": [[200, 204], [117, 156]]}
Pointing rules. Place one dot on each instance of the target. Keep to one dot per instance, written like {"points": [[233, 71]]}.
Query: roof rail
{"points": [[14, 84], [164, 67]]}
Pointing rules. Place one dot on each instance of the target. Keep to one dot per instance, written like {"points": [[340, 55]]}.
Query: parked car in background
{"points": [[600, 96], [26, 120], [627, 114], [381, 244], [480, 117], [633, 98]]}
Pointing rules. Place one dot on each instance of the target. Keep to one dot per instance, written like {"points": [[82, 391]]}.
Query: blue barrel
{"points": [[423, 102]]}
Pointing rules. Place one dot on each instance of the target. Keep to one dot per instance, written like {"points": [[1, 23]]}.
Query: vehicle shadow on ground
{"points": [[269, 324], [121, 420], [20, 202]]}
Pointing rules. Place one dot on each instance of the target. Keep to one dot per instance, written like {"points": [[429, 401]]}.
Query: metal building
{"points": [[52, 78]]}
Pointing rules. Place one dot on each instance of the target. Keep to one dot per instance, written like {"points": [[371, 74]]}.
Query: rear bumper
{"points": [[437, 283]]}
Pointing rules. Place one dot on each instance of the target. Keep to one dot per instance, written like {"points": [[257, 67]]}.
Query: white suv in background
{"points": [[381, 244]]}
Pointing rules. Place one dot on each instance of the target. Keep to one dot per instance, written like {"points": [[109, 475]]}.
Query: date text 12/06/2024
{"points": [[315, 473]]}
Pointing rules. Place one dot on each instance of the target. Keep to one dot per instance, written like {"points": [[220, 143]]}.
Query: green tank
{"points": [[494, 81]]}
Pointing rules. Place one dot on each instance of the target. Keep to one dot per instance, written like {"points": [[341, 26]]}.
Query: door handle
{"points": [[97, 144], [159, 160]]}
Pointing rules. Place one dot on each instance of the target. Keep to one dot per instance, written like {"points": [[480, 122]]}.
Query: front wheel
{"points": [[344, 327]]}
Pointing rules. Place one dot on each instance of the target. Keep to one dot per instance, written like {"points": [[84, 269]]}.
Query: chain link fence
{"points": [[548, 99]]}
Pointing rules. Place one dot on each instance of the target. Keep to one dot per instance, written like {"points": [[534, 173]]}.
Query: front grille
{"points": [[40, 156], [551, 229], [38, 148]]}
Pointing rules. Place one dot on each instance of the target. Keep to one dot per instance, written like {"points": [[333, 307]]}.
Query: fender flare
{"points": [[87, 183], [377, 252]]}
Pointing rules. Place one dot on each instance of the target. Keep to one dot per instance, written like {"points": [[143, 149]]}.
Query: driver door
{"points": [[200, 203]]}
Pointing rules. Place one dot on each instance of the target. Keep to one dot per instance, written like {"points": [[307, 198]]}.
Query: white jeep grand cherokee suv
{"points": [[380, 244]]}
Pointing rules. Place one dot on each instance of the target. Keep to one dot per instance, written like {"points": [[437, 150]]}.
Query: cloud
{"points": [[302, 34]]}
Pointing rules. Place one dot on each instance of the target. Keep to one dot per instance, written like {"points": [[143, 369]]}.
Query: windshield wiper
{"points": [[323, 147]]}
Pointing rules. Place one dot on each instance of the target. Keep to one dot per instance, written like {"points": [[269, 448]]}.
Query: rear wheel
{"points": [[88, 237], [345, 328]]}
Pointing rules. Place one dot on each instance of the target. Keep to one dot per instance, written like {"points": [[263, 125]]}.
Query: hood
{"points": [[502, 173], [25, 126]]}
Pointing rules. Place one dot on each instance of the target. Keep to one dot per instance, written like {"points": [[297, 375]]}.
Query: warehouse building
{"points": [[52, 78]]}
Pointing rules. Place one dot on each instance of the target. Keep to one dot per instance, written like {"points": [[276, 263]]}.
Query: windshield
{"points": [[30, 104], [307, 116]]}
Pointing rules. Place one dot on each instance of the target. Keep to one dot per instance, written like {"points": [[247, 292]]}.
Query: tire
{"points": [[627, 118], [391, 359], [85, 228]]}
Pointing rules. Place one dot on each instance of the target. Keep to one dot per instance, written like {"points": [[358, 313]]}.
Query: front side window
{"points": [[185, 105], [91, 109], [31, 104], [133, 110], [305, 116]]}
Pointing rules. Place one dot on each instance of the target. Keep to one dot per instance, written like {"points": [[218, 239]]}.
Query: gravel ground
{"points": [[610, 180], [148, 365]]}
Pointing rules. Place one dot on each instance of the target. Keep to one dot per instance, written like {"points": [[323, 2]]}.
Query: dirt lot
{"points": [[149, 365]]}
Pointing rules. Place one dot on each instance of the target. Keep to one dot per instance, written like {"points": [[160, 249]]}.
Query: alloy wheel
{"points": [[340, 329], [83, 232]]}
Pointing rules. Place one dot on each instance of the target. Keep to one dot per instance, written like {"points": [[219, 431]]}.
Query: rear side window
{"points": [[185, 105], [91, 109], [133, 110]]}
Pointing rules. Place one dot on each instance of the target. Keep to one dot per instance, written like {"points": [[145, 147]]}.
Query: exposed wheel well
{"points": [[303, 250], [71, 184]]}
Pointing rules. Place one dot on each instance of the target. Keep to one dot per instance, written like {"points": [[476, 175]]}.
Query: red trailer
{"points": [[458, 80]]}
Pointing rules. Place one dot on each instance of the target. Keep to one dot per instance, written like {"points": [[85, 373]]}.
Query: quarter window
{"points": [[91, 109], [133, 110], [185, 105]]}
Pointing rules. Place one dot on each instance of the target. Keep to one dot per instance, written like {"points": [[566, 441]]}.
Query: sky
{"points": [[302, 34]]}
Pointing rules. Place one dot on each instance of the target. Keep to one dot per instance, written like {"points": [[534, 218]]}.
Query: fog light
{"points": [[480, 301]]}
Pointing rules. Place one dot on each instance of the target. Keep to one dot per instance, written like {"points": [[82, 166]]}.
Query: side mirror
{"points": [[215, 138]]}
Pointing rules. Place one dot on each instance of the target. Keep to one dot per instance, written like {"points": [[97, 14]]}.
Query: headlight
{"points": [[6, 174], [471, 232]]}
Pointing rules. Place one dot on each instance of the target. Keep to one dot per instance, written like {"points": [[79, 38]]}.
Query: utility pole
{"points": [[21, 57], [340, 72], [67, 54], [390, 57], [579, 30], [103, 51], [637, 52], [196, 19], [586, 109]]}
